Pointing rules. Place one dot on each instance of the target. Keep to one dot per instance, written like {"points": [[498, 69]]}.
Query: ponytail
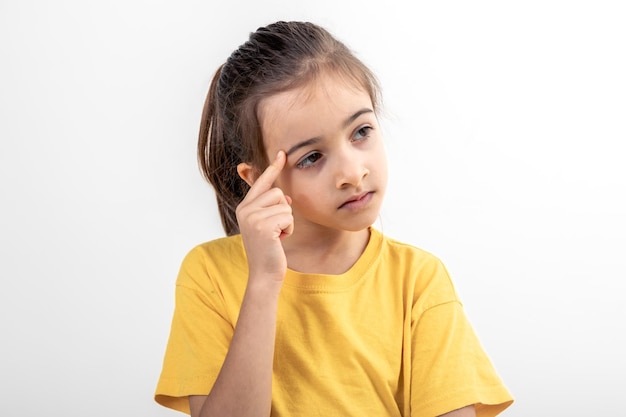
{"points": [[218, 158]]}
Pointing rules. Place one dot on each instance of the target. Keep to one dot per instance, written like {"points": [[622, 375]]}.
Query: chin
{"points": [[360, 225]]}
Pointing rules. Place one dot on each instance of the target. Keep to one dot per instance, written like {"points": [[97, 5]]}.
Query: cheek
{"points": [[307, 195], [384, 171], [285, 182], [303, 197], [379, 162], [298, 190]]}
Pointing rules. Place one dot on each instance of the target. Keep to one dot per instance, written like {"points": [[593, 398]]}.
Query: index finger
{"points": [[267, 178]]}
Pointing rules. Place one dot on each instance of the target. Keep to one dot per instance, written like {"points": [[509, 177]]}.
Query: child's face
{"points": [[336, 169]]}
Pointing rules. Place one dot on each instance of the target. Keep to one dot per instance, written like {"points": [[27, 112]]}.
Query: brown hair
{"points": [[276, 58]]}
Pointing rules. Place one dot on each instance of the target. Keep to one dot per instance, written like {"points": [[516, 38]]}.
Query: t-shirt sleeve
{"points": [[450, 368], [199, 337]]}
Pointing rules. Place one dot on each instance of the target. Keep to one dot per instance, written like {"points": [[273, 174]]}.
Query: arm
{"points": [[243, 387], [468, 411]]}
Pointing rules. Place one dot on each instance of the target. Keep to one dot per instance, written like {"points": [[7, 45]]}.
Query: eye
{"points": [[309, 160], [362, 133]]}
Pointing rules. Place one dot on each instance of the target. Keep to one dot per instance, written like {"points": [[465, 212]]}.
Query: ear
{"points": [[247, 173]]}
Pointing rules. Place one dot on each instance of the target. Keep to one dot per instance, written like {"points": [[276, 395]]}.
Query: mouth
{"points": [[357, 201]]}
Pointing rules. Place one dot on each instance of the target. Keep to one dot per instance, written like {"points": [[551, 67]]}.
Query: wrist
{"points": [[267, 286]]}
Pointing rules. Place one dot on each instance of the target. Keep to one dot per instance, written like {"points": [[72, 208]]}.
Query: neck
{"points": [[330, 252]]}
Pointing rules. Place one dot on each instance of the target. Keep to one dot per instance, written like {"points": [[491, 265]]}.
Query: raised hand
{"points": [[264, 217]]}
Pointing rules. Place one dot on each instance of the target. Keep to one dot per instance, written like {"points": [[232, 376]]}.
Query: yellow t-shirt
{"points": [[387, 338]]}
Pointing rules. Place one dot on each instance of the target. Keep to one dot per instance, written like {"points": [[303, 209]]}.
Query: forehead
{"points": [[323, 102]]}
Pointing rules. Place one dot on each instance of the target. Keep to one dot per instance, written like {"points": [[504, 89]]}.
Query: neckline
{"points": [[333, 283]]}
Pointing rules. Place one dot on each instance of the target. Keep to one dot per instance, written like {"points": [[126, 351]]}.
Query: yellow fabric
{"points": [[387, 338]]}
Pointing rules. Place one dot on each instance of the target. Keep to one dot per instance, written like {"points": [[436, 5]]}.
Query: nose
{"points": [[351, 169]]}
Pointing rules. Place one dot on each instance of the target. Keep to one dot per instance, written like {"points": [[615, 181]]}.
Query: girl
{"points": [[305, 309]]}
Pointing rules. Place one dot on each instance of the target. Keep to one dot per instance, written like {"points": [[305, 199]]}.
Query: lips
{"points": [[357, 201]]}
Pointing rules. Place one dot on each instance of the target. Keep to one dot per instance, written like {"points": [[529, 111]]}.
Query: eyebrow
{"points": [[314, 140]]}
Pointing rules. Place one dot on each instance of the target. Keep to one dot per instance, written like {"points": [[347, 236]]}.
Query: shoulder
{"points": [[213, 258], [218, 248], [425, 272], [228, 245], [406, 254], [407, 248]]}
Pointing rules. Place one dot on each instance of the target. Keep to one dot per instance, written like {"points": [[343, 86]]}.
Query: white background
{"points": [[505, 127]]}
